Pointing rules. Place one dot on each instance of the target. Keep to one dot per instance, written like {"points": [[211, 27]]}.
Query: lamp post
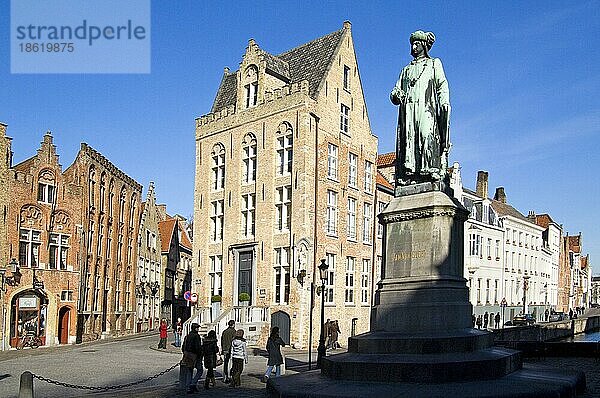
{"points": [[13, 280], [321, 349], [154, 289]]}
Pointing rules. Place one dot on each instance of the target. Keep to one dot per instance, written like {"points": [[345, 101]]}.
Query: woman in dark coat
{"points": [[274, 344], [210, 349]]}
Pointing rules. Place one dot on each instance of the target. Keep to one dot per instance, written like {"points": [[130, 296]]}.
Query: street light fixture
{"points": [[14, 279], [321, 351], [525, 286]]}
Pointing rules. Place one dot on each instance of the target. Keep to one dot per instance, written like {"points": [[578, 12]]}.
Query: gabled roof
{"points": [[386, 159], [380, 180], [185, 239], [504, 209], [309, 61], [165, 228]]}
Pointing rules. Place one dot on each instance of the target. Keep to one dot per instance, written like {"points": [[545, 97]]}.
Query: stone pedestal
{"points": [[421, 320]]}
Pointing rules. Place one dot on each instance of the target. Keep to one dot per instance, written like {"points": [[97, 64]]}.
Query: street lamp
{"points": [[154, 286], [321, 349], [13, 280]]}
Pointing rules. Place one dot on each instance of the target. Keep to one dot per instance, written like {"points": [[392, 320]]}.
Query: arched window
{"points": [[122, 199], [249, 158], [92, 186], [102, 191], [218, 167], [132, 210], [111, 197], [46, 187], [285, 140], [251, 85]]}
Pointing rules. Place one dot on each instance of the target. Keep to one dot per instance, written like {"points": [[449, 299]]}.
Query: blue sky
{"points": [[524, 81]]}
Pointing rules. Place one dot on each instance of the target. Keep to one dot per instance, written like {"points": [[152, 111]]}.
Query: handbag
{"points": [[189, 359], [219, 361]]}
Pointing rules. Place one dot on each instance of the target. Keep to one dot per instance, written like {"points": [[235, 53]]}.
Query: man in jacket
{"points": [[192, 344], [226, 339]]}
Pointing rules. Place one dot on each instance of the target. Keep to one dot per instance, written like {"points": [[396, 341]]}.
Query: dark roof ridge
{"points": [[100, 158], [310, 42]]}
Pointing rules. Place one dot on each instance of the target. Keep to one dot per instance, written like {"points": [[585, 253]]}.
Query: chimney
{"points": [[482, 184], [500, 196], [531, 215]]}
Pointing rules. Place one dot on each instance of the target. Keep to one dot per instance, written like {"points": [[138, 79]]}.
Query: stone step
{"points": [[490, 363], [463, 340]]}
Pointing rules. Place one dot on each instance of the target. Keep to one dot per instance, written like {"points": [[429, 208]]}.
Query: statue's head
{"points": [[421, 42]]}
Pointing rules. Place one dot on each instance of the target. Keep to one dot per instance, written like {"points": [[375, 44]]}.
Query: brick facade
{"points": [[264, 251]]}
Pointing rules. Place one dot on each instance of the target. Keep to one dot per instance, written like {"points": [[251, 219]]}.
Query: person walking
{"points": [[210, 349], [479, 322], [192, 357], [485, 319], [274, 344], [226, 338], [163, 334], [239, 356], [497, 320], [335, 332], [177, 331]]}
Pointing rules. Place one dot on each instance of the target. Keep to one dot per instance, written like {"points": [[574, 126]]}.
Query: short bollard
{"points": [[26, 385]]}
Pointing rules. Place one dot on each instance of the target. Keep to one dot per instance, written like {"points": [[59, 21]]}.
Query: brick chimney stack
{"points": [[500, 196], [482, 184]]}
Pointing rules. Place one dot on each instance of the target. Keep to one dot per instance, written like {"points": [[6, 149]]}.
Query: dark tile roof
{"points": [[504, 209], [227, 93], [309, 61]]}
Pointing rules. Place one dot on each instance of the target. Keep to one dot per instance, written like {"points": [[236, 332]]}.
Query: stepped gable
{"points": [[309, 61]]}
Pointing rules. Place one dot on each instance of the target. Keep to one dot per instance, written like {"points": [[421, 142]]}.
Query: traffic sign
{"points": [[194, 297], [187, 295]]}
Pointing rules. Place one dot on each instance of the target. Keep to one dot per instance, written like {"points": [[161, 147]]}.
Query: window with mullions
{"points": [[330, 282], [352, 170], [216, 231], [46, 192], [346, 78], [368, 176], [351, 219], [249, 159], [218, 167], [216, 275], [344, 119], [248, 215], [59, 249], [349, 291], [331, 225], [29, 248], [367, 215], [332, 161], [282, 275], [364, 281], [284, 208], [285, 142]]}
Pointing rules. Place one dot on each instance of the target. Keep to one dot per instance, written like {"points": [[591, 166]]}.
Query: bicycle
{"points": [[29, 340]]}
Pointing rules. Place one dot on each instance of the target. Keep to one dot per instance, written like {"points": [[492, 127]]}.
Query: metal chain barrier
{"points": [[105, 388]]}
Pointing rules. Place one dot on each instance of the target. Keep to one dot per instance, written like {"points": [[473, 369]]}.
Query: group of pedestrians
{"points": [[201, 353], [482, 321]]}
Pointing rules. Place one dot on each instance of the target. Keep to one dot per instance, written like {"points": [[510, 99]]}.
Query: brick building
{"points": [[285, 177], [149, 278], [110, 219], [44, 231]]}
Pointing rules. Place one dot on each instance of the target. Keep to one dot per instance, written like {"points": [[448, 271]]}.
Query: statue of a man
{"points": [[423, 134]]}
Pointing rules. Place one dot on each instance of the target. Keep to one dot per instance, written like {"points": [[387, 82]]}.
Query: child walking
{"points": [[238, 357]]}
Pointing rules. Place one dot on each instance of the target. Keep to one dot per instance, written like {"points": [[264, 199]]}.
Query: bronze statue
{"points": [[423, 134]]}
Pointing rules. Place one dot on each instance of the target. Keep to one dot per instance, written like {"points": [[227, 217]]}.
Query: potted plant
{"points": [[216, 298], [244, 298]]}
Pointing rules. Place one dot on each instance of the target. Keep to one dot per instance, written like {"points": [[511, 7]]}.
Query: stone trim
{"points": [[414, 215]]}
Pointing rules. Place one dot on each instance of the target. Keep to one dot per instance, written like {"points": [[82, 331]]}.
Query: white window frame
{"points": [[344, 119], [368, 176], [332, 161], [216, 275], [249, 161], [46, 192], [281, 280], [328, 294], [248, 215], [349, 289], [30, 240], [364, 281], [285, 153], [352, 218], [251, 94], [216, 232], [381, 208], [284, 208], [346, 78], [352, 170], [367, 217], [332, 210], [218, 168]]}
